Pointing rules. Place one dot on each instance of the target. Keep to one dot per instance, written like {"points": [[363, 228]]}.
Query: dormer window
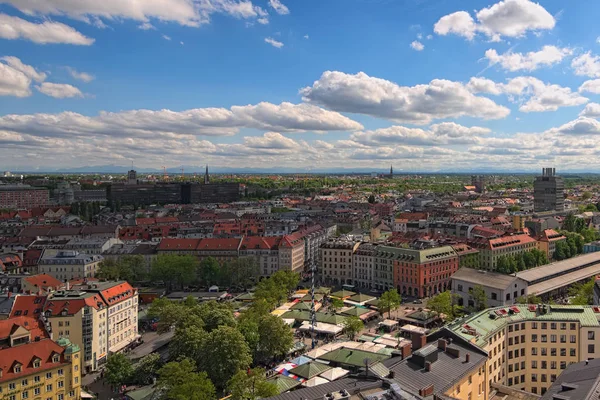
{"points": [[36, 363], [55, 358], [17, 368]]}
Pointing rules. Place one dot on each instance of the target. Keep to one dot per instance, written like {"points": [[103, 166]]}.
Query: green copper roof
{"points": [[483, 325]]}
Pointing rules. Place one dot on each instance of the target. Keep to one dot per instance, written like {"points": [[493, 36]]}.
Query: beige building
{"points": [[31, 369], [336, 261], [491, 249], [291, 252], [529, 345], [67, 265]]}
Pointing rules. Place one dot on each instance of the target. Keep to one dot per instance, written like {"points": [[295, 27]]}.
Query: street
{"points": [[152, 341]]}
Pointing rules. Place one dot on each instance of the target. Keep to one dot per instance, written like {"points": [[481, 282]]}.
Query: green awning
{"points": [[309, 370]]}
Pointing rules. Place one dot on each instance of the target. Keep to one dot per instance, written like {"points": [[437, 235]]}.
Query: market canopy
{"points": [[334, 373], [361, 298], [310, 369], [321, 327], [355, 311], [317, 380], [343, 294], [388, 323], [284, 383], [301, 306]]}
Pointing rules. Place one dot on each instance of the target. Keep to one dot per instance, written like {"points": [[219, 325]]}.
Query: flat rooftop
{"points": [[549, 271], [484, 278]]}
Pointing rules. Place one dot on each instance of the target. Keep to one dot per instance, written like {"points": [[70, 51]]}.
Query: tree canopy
{"points": [[251, 385], [445, 303], [353, 326], [175, 270], [389, 301], [119, 369], [181, 381]]}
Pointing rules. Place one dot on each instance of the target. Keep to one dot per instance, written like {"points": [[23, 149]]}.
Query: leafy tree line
{"points": [[131, 268], [212, 352], [86, 209], [521, 261], [571, 247], [577, 225]]}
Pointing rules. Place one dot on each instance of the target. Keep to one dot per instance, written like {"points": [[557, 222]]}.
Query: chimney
{"points": [[418, 340], [428, 366], [9, 295], [426, 391], [406, 351], [442, 343], [467, 357]]}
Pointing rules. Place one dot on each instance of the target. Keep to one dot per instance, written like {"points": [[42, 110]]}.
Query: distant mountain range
{"points": [[189, 169]]}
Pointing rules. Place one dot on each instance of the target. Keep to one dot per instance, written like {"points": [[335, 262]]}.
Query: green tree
{"points": [[174, 270], [529, 299], [268, 336], [502, 265], [529, 259], [276, 289], [223, 353], [336, 304], [389, 301], [187, 342], [216, 314], [586, 196], [371, 199], [209, 271], [251, 385], [133, 267], [175, 314], [353, 326], [108, 270], [119, 370], [180, 381], [147, 368], [445, 303], [479, 297], [583, 294]]}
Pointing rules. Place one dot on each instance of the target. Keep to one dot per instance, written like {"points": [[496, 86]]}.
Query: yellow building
{"points": [[39, 369], [529, 346], [547, 242]]}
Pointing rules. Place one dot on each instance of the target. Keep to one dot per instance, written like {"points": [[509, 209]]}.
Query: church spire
{"points": [[206, 178], [391, 170]]}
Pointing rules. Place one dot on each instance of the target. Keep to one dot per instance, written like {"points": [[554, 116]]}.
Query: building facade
{"points": [[23, 197], [500, 289], [67, 265], [548, 191], [336, 261], [491, 249]]}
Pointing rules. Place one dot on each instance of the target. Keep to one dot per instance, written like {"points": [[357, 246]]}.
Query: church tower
{"points": [[206, 178]]}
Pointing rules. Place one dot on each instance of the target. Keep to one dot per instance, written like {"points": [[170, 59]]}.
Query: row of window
{"points": [[36, 392]]}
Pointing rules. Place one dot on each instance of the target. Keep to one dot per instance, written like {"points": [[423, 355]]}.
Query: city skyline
{"points": [[425, 85]]}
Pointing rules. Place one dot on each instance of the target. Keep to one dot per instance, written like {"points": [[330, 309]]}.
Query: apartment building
{"points": [[91, 245], [313, 236], [491, 249], [422, 273], [547, 241], [35, 369], [336, 261], [291, 252], [530, 345], [363, 265], [67, 265], [264, 250]]}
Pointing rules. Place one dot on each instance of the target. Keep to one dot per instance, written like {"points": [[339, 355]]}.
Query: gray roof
{"points": [[352, 385], [549, 271], [578, 382], [445, 371], [484, 278]]}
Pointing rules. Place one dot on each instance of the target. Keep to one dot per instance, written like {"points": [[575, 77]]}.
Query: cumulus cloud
{"points": [[166, 37], [146, 26], [509, 18], [16, 77], [586, 65], [416, 45], [80, 76], [42, 33], [532, 94], [274, 42], [591, 86], [184, 12], [582, 126], [187, 124], [591, 110], [531, 61], [380, 98], [59, 90], [279, 7]]}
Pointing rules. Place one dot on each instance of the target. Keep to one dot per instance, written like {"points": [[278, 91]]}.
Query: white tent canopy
{"points": [[317, 380], [334, 373], [322, 327]]}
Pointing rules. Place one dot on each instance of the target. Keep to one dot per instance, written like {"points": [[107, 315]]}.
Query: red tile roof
{"points": [[43, 281], [219, 244], [25, 355], [178, 244], [118, 293], [73, 306], [28, 305], [33, 325]]}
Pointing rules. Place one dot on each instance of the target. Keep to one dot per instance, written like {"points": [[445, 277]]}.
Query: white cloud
{"points": [[279, 7], [586, 65], [439, 134], [146, 26], [532, 94], [380, 98], [419, 36], [582, 126], [429, 37], [59, 90], [28, 70], [16, 77], [591, 110], [263, 21], [184, 12], [43, 33], [510, 18], [459, 23], [591, 86], [271, 140], [418, 46], [531, 61], [181, 43], [274, 42], [306, 36], [166, 37], [81, 76]]}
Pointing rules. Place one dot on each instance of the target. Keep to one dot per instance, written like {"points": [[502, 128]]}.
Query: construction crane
{"points": [[182, 173], [165, 176]]}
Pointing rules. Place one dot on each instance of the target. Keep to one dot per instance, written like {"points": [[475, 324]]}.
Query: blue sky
{"points": [[426, 85]]}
